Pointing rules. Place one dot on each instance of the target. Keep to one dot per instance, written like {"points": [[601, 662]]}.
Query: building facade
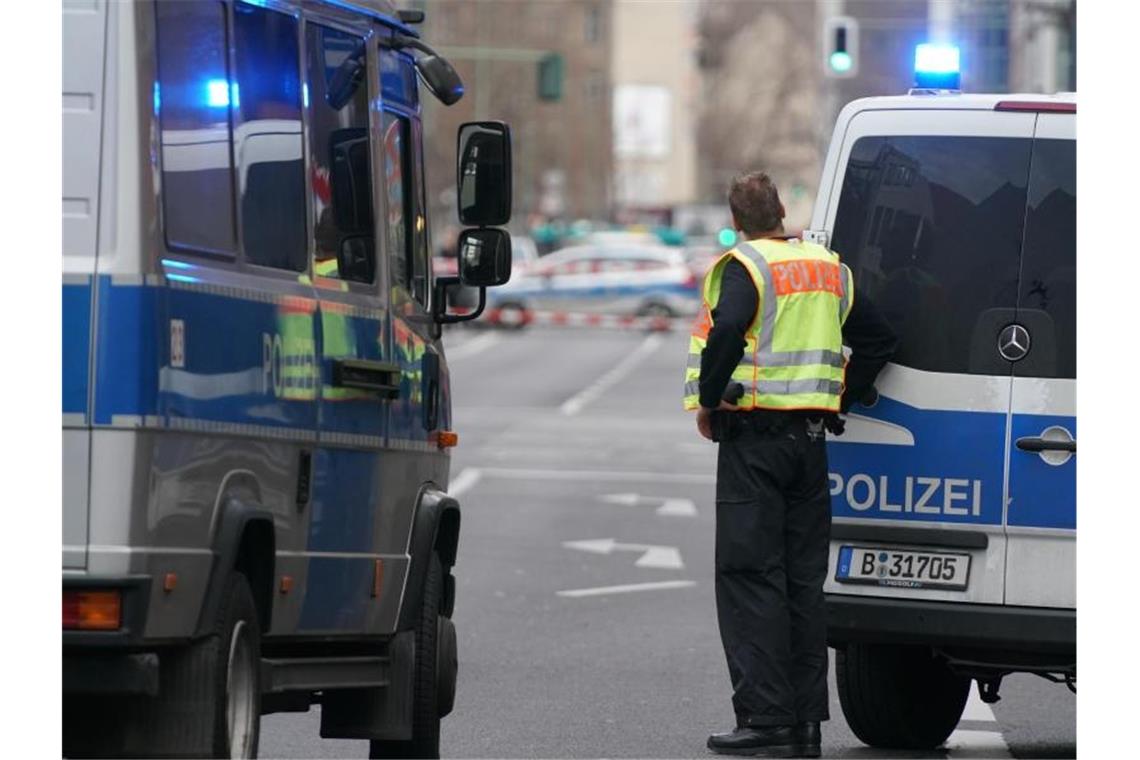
{"points": [[561, 149]]}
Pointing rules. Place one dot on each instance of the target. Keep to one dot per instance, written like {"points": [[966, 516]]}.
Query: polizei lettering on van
{"points": [[913, 494]]}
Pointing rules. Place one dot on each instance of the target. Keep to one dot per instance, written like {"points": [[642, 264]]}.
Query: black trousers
{"points": [[773, 520]]}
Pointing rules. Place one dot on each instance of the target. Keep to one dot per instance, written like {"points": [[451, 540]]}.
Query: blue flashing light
{"points": [[217, 93], [175, 264], [305, 94], [726, 237], [937, 66], [221, 93], [181, 278], [840, 61], [157, 98]]}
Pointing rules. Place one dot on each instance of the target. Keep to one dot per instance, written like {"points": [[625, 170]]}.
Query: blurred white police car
{"points": [[953, 552], [624, 280]]}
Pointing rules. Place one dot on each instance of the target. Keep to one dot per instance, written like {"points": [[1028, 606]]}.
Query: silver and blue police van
{"points": [[953, 547], [256, 402]]}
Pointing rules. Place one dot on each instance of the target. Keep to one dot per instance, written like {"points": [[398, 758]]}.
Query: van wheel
{"points": [[210, 699], [898, 697], [433, 685]]}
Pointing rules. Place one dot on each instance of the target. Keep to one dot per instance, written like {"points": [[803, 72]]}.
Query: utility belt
{"points": [[727, 425]]}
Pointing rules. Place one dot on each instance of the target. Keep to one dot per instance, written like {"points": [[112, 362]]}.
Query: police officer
{"points": [[776, 314]]}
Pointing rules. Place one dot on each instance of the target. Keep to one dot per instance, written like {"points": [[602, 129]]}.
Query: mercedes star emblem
{"points": [[1013, 342]]}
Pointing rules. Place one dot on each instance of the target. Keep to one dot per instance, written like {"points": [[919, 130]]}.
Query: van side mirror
{"points": [[484, 173], [484, 257], [441, 78]]}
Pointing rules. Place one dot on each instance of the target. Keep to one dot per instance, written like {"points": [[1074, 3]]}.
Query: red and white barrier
{"points": [[517, 318]]}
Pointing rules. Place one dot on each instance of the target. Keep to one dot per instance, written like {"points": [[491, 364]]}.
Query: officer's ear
{"points": [[782, 212]]}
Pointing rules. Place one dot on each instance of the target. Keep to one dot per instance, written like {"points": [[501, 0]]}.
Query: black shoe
{"points": [[761, 741], [807, 739]]}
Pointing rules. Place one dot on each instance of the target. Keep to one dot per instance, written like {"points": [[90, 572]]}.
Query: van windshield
{"points": [[931, 227]]}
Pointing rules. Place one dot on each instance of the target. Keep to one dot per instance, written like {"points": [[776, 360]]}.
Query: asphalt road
{"points": [[607, 647]]}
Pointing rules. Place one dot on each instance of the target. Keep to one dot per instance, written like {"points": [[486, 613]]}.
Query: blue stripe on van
{"points": [[76, 344], [127, 353], [954, 472]]}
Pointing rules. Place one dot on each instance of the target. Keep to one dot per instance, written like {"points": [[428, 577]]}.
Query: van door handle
{"points": [[381, 378], [1035, 444]]}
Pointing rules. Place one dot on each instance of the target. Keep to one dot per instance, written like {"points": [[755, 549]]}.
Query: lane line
{"points": [[964, 743], [580, 400], [626, 589], [473, 346], [464, 481], [599, 475], [976, 709]]}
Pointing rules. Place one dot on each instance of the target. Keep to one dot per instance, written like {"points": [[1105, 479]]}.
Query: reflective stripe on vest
{"points": [[792, 280]]}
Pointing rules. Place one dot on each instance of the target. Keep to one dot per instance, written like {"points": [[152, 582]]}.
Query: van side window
{"points": [[421, 256], [931, 227], [398, 192], [341, 164], [1049, 266], [192, 97], [267, 137]]}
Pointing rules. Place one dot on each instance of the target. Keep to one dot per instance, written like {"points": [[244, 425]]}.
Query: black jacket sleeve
{"points": [[731, 318], [872, 343]]}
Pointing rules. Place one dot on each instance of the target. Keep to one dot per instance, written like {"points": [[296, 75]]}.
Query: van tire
{"points": [[203, 684], [426, 682], [898, 697]]}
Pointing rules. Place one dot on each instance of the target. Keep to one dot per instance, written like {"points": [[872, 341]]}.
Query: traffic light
{"points": [[550, 77], [840, 46]]}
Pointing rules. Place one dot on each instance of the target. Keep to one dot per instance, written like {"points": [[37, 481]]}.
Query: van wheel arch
{"points": [[245, 542]]}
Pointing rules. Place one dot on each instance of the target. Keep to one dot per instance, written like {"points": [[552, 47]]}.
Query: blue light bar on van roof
{"points": [[937, 66]]}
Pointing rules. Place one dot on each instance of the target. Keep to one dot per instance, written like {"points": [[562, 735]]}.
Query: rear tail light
{"points": [[92, 610]]}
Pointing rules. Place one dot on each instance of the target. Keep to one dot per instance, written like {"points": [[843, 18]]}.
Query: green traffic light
{"points": [[726, 237], [840, 61]]}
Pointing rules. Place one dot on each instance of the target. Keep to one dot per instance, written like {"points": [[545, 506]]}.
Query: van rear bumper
{"points": [[864, 619]]}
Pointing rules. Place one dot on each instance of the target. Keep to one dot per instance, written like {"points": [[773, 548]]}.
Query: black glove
{"points": [[834, 424]]}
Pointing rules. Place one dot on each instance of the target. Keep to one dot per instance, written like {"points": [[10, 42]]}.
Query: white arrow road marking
{"points": [[601, 590], [670, 507], [664, 557]]}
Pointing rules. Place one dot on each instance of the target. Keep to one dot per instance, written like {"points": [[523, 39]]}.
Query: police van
{"points": [[256, 402], [953, 545]]}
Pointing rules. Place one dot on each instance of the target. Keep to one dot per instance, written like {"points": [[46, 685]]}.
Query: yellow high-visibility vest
{"points": [[793, 355]]}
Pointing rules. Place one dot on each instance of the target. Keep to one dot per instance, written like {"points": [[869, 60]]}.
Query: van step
{"points": [[314, 673]]}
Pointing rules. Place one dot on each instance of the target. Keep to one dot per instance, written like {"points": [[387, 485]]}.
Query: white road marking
{"points": [[661, 557], [580, 400], [669, 507], [976, 709], [472, 347], [964, 743], [602, 590], [599, 475], [464, 481]]}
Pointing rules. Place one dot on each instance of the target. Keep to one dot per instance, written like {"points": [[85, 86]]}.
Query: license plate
{"points": [[903, 568]]}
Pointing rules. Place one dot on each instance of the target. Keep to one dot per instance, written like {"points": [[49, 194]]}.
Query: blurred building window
{"points": [[932, 229], [192, 98], [593, 29], [594, 87], [340, 162], [266, 101]]}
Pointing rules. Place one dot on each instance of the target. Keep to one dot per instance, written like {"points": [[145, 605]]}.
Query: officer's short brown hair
{"points": [[755, 204]]}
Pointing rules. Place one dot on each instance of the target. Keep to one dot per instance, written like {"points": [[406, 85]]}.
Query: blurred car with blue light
{"points": [[627, 280]]}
